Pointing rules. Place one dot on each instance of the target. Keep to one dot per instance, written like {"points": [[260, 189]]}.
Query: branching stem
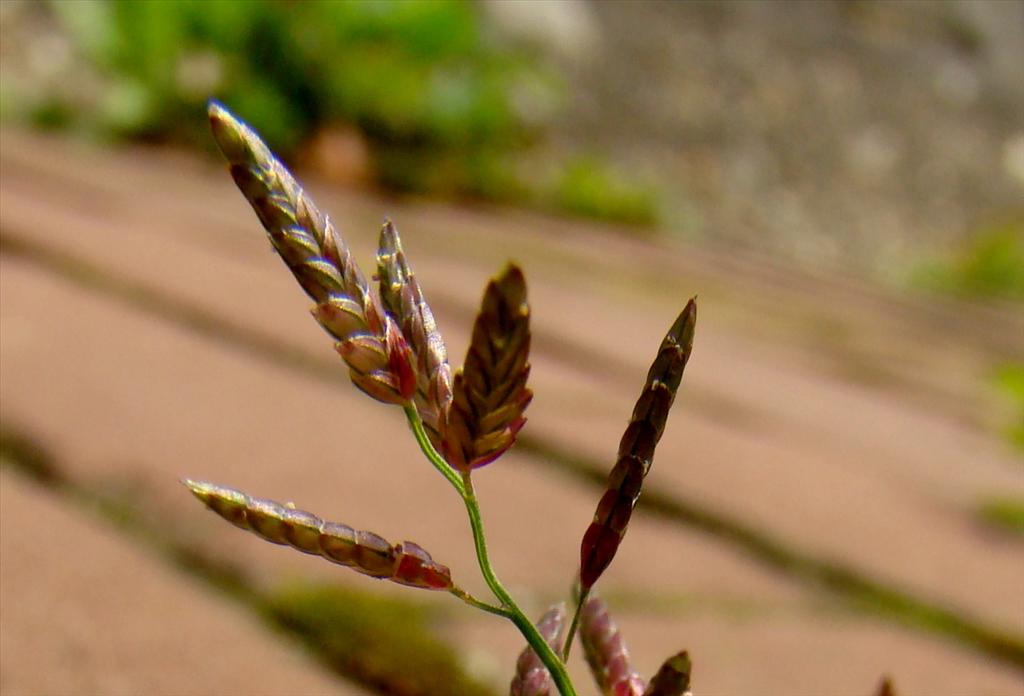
{"points": [[464, 485], [480, 604], [432, 454]]}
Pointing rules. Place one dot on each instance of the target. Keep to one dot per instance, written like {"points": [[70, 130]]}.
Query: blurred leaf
{"points": [[128, 106], [443, 109], [92, 27], [991, 264]]}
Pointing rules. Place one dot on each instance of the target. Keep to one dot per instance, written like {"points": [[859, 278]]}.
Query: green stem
{"points": [[464, 485], [480, 604], [575, 623], [555, 666], [416, 423]]}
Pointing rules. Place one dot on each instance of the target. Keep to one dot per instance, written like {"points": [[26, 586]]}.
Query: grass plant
{"points": [[461, 421]]}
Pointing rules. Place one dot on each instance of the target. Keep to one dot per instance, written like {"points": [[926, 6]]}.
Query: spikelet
{"points": [[532, 677], [606, 652], [365, 552], [489, 393], [673, 679], [885, 688], [379, 359], [636, 449], [403, 299]]}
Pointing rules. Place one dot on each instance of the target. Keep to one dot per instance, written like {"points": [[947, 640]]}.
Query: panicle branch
{"points": [[380, 362], [489, 394], [365, 552], [636, 449]]}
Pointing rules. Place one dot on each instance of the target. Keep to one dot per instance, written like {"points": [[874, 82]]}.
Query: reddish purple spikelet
{"points": [[379, 360], [636, 449], [489, 393], [366, 552], [532, 677], [673, 679], [404, 301], [606, 651]]}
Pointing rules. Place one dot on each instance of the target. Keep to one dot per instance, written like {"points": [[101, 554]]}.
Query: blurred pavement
{"points": [[148, 334]]}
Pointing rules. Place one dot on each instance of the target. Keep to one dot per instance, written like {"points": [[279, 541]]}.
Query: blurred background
{"points": [[839, 494]]}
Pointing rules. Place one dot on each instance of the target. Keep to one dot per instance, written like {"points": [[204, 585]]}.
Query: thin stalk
{"points": [[575, 624], [464, 485], [416, 423], [555, 666], [480, 604]]}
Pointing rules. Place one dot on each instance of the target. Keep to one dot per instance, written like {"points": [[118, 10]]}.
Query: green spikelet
{"points": [[489, 394]]}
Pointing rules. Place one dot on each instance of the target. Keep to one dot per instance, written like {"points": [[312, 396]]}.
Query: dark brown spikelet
{"points": [[636, 449], [489, 393], [365, 552], [673, 679], [403, 299], [885, 688], [606, 652], [379, 359], [532, 677]]}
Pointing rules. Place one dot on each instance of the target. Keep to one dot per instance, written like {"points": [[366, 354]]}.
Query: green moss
{"points": [[389, 644], [1003, 513], [28, 456], [1008, 381]]}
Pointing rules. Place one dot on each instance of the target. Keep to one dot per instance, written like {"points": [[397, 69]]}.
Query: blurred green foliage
{"points": [[443, 106], [386, 643], [588, 187], [1003, 513], [418, 79], [990, 265], [1009, 382]]}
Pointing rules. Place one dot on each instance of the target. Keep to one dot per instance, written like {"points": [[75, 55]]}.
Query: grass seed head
{"points": [[404, 301], [885, 688], [307, 241], [673, 679], [365, 552], [489, 394], [532, 677], [636, 449], [606, 652]]}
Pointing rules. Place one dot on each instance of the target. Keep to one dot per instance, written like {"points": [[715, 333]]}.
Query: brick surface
{"points": [[773, 425], [83, 611]]}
